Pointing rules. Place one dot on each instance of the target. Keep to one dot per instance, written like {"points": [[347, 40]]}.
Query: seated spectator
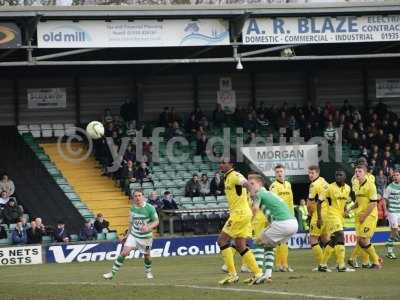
{"points": [[192, 124], [155, 200], [249, 124], [35, 234], [173, 116], [127, 176], [40, 225], [7, 185], [251, 139], [192, 188], [330, 133], [100, 224], [88, 232], [204, 185], [107, 118], [142, 174], [4, 198], [381, 182], [18, 235], [201, 145], [60, 234], [174, 131], [12, 212], [3, 233], [217, 187], [168, 201]]}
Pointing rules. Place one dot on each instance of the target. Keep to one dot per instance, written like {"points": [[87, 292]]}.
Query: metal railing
{"points": [[5, 3]]}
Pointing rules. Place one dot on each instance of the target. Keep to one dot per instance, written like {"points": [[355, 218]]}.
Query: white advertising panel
{"points": [[24, 255], [47, 98], [314, 30], [138, 33], [388, 88]]}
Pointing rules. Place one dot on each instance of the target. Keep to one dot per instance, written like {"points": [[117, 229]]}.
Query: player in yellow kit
{"points": [[283, 189], [317, 208], [238, 226], [337, 196], [366, 216], [366, 264]]}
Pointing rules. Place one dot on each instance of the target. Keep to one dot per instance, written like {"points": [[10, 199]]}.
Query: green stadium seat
{"points": [[184, 200], [198, 199], [197, 159], [210, 199], [47, 239], [101, 236], [221, 199], [4, 242], [134, 186], [147, 185], [74, 237], [73, 196], [80, 205], [111, 236], [12, 226]]}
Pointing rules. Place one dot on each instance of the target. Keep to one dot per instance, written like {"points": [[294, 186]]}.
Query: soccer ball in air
{"points": [[95, 130]]}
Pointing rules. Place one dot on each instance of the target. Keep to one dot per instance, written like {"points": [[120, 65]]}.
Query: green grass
{"points": [[175, 277]]}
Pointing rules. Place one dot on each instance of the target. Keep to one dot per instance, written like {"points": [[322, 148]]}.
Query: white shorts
{"points": [[394, 220], [279, 232], [143, 245]]}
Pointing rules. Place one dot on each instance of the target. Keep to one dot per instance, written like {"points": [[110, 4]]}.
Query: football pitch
{"points": [[194, 277]]}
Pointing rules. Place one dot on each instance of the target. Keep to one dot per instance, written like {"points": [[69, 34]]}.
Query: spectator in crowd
{"points": [[381, 182], [35, 234], [4, 198], [155, 200], [100, 224], [204, 185], [382, 211], [192, 124], [127, 176], [128, 110], [201, 145], [218, 116], [304, 213], [174, 130], [330, 133], [142, 174], [217, 187], [6, 184], [173, 116], [40, 225], [19, 236], [24, 221], [3, 232], [129, 154], [250, 124], [88, 232], [192, 188], [251, 139], [168, 201], [12, 213], [60, 234], [107, 117]]}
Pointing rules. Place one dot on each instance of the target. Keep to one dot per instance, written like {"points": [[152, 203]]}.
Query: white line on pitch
{"points": [[269, 292], [248, 290]]}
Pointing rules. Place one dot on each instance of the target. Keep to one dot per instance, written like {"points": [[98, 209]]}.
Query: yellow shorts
{"points": [[334, 223], [238, 226], [366, 229], [314, 230], [258, 223]]}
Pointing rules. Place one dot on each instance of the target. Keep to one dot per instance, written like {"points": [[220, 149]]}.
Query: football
{"points": [[95, 130]]}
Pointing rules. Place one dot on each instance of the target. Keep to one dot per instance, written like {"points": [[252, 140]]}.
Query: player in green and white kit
{"points": [[283, 224], [143, 219], [392, 199]]}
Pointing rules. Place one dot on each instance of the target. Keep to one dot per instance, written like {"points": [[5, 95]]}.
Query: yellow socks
{"points": [[317, 252], [228, 257], [250, 261], [326, 255], [284, 255], [278, 256], [356, 252], [340, 253], [370, 249]]}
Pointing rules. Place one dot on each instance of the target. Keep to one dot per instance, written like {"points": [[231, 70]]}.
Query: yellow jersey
{"points": [[337, 198], [365, 193], [284, 191], [317, 191], [236, 194], [369, 176]]}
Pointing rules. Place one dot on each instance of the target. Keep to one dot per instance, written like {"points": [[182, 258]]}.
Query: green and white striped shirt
{"points": [[140, 216], [392, 197]]}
